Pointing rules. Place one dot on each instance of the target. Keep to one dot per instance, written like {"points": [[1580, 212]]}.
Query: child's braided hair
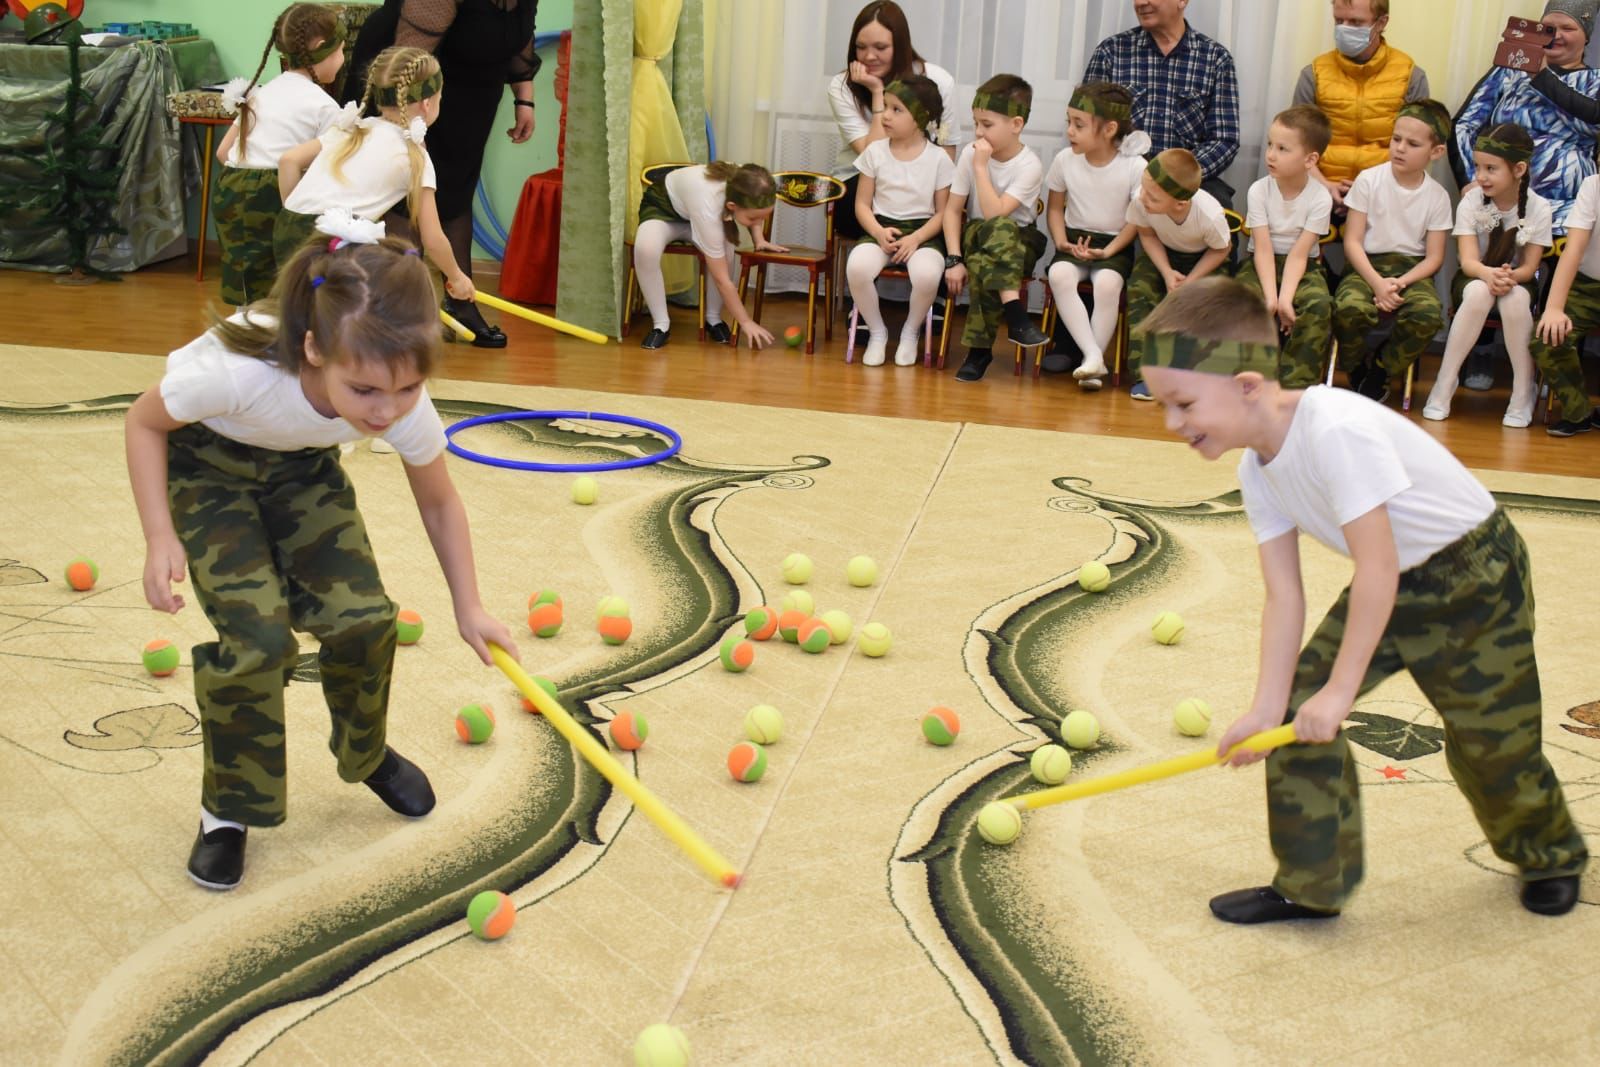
{"points": [[398, 74], [297, 30]]}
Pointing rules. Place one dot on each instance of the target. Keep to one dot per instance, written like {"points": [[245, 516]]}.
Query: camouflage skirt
{"points": [[1463, 627], [1458, 287], [291, 231], [1122, 262], [275, 544], [905, 226], [656, 204], [247, 211]]}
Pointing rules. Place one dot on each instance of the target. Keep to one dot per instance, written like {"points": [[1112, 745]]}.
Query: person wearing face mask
{"points": [[1361, 86]]}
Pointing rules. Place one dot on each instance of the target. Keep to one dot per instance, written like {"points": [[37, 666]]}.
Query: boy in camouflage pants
{"points": [[1442, 589], [1570, 311]]}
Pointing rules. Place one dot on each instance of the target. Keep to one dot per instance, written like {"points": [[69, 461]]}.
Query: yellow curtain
{"points": [[744, 68], [655, 134]]}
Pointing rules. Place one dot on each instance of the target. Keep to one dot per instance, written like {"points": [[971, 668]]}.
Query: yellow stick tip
{"points": [[732, 879]]}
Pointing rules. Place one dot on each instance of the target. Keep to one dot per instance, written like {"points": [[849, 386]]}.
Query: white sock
{"points": [[209, 822]]}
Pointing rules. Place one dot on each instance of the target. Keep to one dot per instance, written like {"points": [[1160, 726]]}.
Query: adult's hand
{"points": [[859, 75], [523, 128]]}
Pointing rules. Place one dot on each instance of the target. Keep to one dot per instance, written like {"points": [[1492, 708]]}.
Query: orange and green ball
{"points": [[82, 573], [940, 726], [615, 629], [629, 730], [545, 620], [491, 914], [747, 762], [543, 683], [761, 623], [160, 657], [737, 654], [789, 625], [408, 627], [813, 636], [475, 723]]}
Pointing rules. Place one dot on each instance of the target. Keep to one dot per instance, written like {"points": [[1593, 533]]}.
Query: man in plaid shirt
{"points": [[1185, 92]]}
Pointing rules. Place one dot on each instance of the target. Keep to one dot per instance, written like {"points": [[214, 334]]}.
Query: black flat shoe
{"points": [[1375, 385], [1263, 904], [467, 314], [1551, 896], [1056, 362], [1028, 335], [1569, 427], [718, 333], [974, 368], [654, 339], [401, 784], [217, 859]]}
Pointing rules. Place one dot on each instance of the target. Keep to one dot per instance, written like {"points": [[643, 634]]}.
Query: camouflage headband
{"points": [[1182, 352], [1167, 182], [1426, 116], [1000, 105], [389, 96], [1511, 153], [1101, 108], [312, 56], [759, 202], [902, 92]]}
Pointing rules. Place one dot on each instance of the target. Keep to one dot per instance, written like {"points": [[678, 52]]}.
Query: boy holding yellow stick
{"points": [[1442, 589]]}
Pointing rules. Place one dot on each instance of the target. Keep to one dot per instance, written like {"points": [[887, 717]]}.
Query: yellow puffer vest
{"points": [[1361, 101]]}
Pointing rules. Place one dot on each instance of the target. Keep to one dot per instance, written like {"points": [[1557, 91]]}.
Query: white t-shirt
{"points": [[289, 110], [1020, 176], [703, 203], [1206, 225], [854, 122], [256, 403], [376, 178], [903, 189], [1583, 216], [1474, 204], [1343, 456], [1398, 219], [1097, 197], [1286, 219]]}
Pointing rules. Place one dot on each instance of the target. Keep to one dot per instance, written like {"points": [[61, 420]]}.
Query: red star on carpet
{"points": [[1393, 772]]}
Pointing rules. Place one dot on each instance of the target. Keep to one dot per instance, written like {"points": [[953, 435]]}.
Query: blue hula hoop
{"points": [[672, 436]]}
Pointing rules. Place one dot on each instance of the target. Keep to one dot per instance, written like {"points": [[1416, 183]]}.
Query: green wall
{"points": [[240, 29]]}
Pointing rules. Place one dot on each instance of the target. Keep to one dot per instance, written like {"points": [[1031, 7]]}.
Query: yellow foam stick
{"points": [[675, 828], [1150, 772], [460, 330], [543, 320]]}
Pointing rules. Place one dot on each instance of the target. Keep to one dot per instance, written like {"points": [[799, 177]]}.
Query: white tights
{"points": [[1516, 327], [648, 244], [1091, 333], [866, 262]]}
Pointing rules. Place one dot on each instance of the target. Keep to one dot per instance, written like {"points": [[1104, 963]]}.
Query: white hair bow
{"points": [[1136, 143], [416, 130], [234, 93], [347, 118], [348, 228]]}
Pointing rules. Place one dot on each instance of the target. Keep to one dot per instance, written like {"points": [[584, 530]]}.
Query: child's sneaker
{"points": [[1375, 385], [1551, 896], [1027, 334], [1140, 391], [401, 784], [217, 859], [1572, 427], [976, 365], [1262, 904]]}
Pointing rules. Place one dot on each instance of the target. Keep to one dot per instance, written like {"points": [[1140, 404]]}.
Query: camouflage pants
{"points": [[1561, 366], [999, 254], [1300, 363], [289, 233], [275, 544], [247, 210], [1356, 314], [1463, 627], [1146, 289]]}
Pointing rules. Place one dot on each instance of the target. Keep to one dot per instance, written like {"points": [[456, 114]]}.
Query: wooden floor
{"points": [[162, 307]]}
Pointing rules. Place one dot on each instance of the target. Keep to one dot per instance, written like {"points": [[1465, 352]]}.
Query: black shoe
{"points": [[1375, 384], [718, 333], [654, 339], [401, 784], [1263, 904], [1551, 896], [217, 859], [1478, 375], [1056, 362], [467, 314], [1028, 335], [975, 366], [1356, 375], [1570, 427]]}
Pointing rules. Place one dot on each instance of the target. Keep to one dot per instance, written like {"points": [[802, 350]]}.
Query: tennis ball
{"points": [[737, 654], [761, 623], [798, 600], [797, 568], [1050, 764], [1168, 628], [474, 723], [628, 730], [814, 636], [999, 823], [612, 605], [1192, 717], [793, 335], [747, 762], [544, 596], [408, 627], [491, 915], [763, 724], [789, 625], [160, 657], [875, 640], [82, 573], [660, 1045], [940, 726], [839, 626], [1094, 576], [585, 490], [543, 683], [545, 620], [1080, 729], [861, 571], [615, 629]]}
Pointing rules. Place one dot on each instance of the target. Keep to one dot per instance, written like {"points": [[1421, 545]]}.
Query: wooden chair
{"points": [[1119, 339], [941, 299], [801, 189], [649, 176]]}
